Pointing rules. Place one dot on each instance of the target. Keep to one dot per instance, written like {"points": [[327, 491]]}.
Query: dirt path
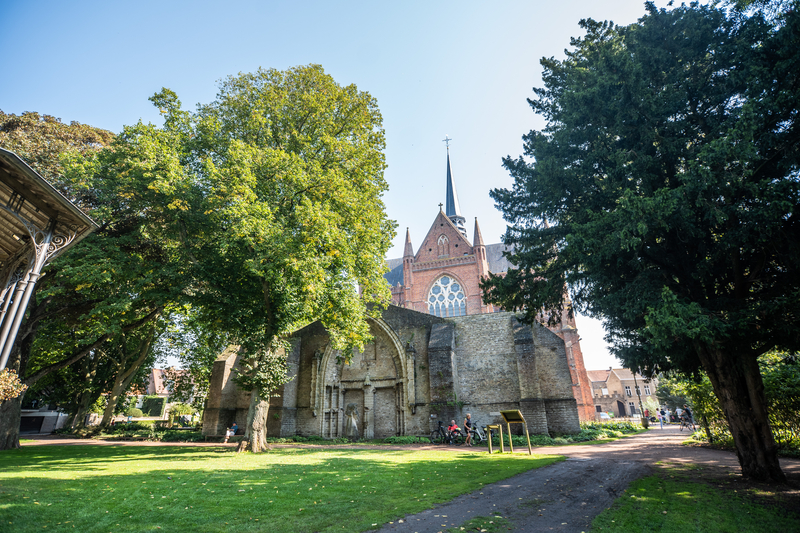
{"points": [[564, 497]]}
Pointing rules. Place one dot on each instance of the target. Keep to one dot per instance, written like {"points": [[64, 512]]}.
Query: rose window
{"points": [[447, 298]]}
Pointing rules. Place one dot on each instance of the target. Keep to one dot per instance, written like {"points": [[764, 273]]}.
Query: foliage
{"points": [[154, 405], [590, 431], [663, 193], [134, 412], [42, 140], [781, 376], [196, 348], [178, 409], [10, 385], [651, 405], [91, 302], [276, 189], [655, 503], [101, 486]]}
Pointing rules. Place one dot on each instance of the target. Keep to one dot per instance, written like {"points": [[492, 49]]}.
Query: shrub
{"points": [[134, 412], [178, 409], [154, 405]]}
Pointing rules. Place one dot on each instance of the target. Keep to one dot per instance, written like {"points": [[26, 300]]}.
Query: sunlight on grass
{"points": [[665, 506], [110, 488]]}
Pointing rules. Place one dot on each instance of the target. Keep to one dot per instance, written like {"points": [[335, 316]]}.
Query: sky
{"points": [[458, 69]]}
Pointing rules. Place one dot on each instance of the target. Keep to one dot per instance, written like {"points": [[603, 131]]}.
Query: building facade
{"points": [[442, 278], [419, 370], [617, 391]]}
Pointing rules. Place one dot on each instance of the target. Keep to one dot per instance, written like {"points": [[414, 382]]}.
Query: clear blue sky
{"points": [[462, 69]]}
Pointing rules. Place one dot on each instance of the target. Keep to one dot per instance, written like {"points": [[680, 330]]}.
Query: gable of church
{"points": [[442, 241]]}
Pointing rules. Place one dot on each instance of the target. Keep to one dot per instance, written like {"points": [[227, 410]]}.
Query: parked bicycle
{"points": [[686, 422], [440, 435]]}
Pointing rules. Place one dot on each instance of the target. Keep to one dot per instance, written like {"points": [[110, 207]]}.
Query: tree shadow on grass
{"points": [[106, 488]]}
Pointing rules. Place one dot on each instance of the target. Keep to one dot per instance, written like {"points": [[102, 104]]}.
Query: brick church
{"points": [[442, 279], [437, 353]]}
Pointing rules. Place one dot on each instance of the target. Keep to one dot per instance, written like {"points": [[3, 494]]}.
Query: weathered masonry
{"points": [[419, 370]]}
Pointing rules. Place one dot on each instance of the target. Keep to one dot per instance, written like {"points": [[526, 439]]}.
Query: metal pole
{"points": [[7, 340], [12, 334]]}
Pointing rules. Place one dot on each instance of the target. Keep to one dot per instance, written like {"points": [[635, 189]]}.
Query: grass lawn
{"points": [[116, 488], [658, 503]]}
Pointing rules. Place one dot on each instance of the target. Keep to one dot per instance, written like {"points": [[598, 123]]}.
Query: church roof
{"points": [[395, 274]]}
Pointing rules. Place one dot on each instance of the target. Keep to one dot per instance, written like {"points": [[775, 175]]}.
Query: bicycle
{"points": [[478, 434], [687, 423], [439, 435]]}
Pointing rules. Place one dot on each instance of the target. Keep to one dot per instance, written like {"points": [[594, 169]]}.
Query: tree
{"points": [[117, 280], [664, 192], [282, 222]]}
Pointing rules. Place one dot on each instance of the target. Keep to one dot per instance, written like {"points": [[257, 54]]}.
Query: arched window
{"points": [[447, 298], [444, 246]]}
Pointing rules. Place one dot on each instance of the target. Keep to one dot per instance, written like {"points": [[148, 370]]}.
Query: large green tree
{"points": [[117, 280], [278, 189], [664, 192]]}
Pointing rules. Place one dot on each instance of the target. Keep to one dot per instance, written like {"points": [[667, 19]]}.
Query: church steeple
{"points": [[453, 210], [409, 250]]}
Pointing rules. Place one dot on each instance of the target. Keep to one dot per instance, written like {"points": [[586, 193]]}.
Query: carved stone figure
{"points": [[351, 421]]}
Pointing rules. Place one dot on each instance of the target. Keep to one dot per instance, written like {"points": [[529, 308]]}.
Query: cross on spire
{"points": [[446, 141]]}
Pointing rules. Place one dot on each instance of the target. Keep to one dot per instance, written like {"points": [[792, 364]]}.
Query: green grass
{"points": [[668, 506], [131, 488]]}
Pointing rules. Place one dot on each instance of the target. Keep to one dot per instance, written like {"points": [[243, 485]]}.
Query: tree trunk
{"points": [[125, 376], [113, 399], [256, 434], [85, 401], [738, 385], [10, 412], [707, 428]]}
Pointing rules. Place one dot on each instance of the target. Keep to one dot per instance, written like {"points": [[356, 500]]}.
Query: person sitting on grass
{"points": [[230, 432]]}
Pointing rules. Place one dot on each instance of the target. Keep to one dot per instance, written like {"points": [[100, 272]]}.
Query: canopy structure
{"points": [[37, 223]]}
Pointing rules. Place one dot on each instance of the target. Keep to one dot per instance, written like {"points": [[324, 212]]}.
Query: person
{"points": [[664, 416], [453, 429], [686, 413], [230, 432], [468, 428]]}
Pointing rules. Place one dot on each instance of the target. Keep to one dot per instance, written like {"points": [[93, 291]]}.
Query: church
{"points": [[438, 353]]}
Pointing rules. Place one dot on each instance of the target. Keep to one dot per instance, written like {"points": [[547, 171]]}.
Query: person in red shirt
{"points": [[453, 429]]}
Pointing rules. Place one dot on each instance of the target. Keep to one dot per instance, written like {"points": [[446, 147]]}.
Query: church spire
{"points": [[478, 238], [409, 250], [453, 210]]}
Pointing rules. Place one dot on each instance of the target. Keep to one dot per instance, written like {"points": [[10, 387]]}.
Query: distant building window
{"points": [[647, 390], [447, 298], [628, 391], [598, 408], [604, 392], [632, 407]]}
